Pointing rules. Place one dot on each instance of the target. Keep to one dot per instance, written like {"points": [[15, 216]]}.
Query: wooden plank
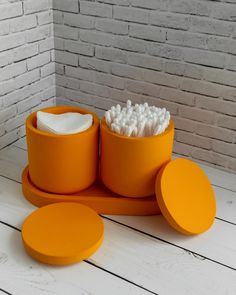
{"points": [[22, 275], [220, 178], [13, 160], [218, 244], [209, 247], [21, 143], [226, 204], [139, 258], [4, 292]]}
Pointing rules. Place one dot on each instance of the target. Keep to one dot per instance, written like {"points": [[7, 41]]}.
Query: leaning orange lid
{"points": [[62, 233], [185, 196]]}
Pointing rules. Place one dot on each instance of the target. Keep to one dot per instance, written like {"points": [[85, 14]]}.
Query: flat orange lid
{"points": [[185, 197], [62, 233]]}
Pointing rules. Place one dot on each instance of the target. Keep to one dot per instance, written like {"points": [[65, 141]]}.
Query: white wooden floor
{"points": [[140, 255]]}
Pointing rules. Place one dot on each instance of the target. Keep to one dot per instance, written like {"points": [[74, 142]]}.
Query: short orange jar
{"points": [[129, 165], [62, 164]]}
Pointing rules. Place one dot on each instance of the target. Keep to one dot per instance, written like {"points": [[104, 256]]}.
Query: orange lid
{"points": [[62, 233], [185, 196]]}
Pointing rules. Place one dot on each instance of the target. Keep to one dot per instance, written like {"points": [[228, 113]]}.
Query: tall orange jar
{"points": [[62, 164], [129, 165]]}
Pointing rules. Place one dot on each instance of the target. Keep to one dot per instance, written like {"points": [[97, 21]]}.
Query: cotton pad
{"points": [[139, 120], [67, 123]]}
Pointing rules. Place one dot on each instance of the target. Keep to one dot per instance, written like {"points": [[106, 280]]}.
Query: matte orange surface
{"points": [[62, 233], [129, 165], [185, 196], [97, 197], [62, 163]]}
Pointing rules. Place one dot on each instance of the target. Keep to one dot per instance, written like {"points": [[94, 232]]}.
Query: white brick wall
{"points": [[27, 70], [180, 54]]}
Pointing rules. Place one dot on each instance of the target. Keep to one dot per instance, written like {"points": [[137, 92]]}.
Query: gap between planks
{"points": [[164, 252], [5, 292], [14, 166], [89, 262], [33, 276], [114, 219], [148, 234], [117, 220], [168, 260]]}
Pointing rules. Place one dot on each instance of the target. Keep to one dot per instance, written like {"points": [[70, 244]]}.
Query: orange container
{"points": [[129, 165], [62, 164]]}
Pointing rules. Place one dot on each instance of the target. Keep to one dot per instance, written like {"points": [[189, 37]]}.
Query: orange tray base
{"points": [[97, 197]]}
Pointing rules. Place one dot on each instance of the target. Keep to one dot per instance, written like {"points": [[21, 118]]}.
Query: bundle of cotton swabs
{"points": [[139, 120]]}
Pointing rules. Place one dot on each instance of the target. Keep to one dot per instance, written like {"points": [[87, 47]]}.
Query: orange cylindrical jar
{"points": [[129, 165], [62, 164]]}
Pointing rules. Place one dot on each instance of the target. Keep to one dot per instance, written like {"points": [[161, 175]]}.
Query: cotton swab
{"points": [[139, 120]]}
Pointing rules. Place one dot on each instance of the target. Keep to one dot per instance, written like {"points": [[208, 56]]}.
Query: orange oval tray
{"points": [[97, 197]]}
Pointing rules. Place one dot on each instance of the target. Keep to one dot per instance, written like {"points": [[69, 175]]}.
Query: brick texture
{"points": [[178, 54], [27, 71]]}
